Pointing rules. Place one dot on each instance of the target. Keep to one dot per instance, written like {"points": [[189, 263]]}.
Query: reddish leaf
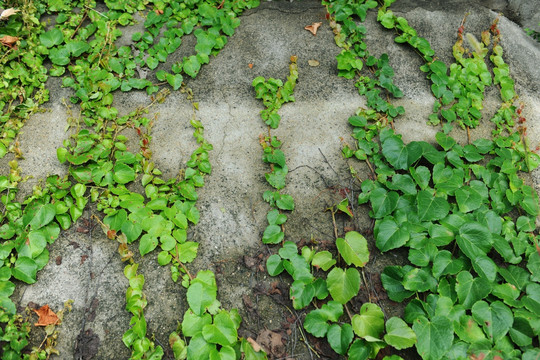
{"points": [[313, 28], [46, 316]]}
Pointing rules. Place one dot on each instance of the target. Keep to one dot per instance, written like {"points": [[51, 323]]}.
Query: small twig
{"points": [[304, 338], [89, 8], [334, 222], [371, 168], [80, 24], [366, 283], [349, 312], [326, 160]]}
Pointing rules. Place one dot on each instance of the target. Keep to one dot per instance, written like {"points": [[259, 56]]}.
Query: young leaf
{"points": [[222, 331], [369, 324], [399, 334], [353, 249]]}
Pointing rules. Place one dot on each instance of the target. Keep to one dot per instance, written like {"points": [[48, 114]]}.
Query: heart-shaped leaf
{"points": [[353, 249], [343, 285]]}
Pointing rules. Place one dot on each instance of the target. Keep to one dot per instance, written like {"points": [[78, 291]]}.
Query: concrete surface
{"points": [[85, 267]]}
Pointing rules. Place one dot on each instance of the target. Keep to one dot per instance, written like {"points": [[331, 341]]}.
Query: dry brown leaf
{"points": [[9, 40], [272, 342], [313, 28], [8, 12], [46, 316], [254, 344], [313, 63]]}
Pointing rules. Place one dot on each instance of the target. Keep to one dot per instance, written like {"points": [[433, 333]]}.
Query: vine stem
{"points": [[334, 222], [182, 264]]}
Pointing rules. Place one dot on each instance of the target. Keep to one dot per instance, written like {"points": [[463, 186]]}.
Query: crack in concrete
{"points": [[299, 11]]}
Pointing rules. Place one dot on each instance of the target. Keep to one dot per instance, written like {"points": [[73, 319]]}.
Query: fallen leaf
{"points": [[272, 341], [9, 40], [313, 28], [313, 63], [46, 316], [254, 344], [8, 12]]}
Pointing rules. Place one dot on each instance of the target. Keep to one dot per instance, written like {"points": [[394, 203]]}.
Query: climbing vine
{"points": [[461, 212], [81, 47]]}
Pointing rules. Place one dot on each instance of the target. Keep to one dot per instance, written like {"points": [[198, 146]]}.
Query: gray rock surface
{"points": [[84, 265]]}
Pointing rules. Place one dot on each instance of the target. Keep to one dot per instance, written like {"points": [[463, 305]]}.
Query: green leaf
{"points": [[353, 249], [25, 269], [431, 207], [187, 252], [470, 290], [434, 337], [152, 63], [273, 235], [193, 324], [52, 37], [521, 332], [323, 260], [175, 80], [396, 152], [285, 202], [419, 280], [383, 202], [468, 330], [421, 176], [77, 48], [389, 235], [123, 173], [37, 214], [116, 220], [6, 288], [369, 324], [360, 350], [445, 141], [199, 348], [529, 203], [471, 197], [392, 279], [495, 318], [202, 292], [474, 240], [132, 230], [343, 285], [340, 337], [59, 56], [274, 265], [532, 300], [405, 183], [147, 244], [222, 331], [191, 66], [399, 334], [302, 292]]}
